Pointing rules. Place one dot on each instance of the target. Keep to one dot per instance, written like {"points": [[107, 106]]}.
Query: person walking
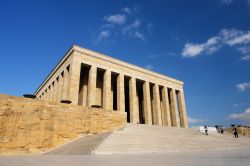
{"points": [[205, 128], [235, 132]]}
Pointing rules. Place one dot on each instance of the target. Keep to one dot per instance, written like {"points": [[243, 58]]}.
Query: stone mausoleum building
{"points": [[89, 78]]}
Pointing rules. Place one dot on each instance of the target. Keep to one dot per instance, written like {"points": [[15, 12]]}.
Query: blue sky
{"points": [[205, 43]]}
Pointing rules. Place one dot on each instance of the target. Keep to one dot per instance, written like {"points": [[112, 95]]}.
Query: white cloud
{"points": [[150, 67], [228, 34], [244, 50], [132, 30], [242, 39], [127, 10], [192, 120], [103, 35], [243, 86], [245, 58], [241, 116], [117, 19], [140, 35], [124, 24], [192, 50], [130, 27], [226, 37]]}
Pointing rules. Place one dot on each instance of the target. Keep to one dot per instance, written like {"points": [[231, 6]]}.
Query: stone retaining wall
{"points": [[35, 126]]}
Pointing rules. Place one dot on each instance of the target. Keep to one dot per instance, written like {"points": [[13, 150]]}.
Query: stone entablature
{"points": [[89, 78]]}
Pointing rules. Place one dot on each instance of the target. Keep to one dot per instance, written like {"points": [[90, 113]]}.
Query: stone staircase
{"points": [[81, 146], [150, 139]]}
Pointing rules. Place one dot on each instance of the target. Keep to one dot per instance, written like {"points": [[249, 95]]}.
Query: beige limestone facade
{"points": [[88, 78], [29, 126]]}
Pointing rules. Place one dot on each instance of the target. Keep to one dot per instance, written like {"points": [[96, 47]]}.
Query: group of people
{"points": [[221, 130]]}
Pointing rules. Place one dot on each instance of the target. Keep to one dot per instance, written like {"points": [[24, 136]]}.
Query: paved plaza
{"points": [[209, 158]]}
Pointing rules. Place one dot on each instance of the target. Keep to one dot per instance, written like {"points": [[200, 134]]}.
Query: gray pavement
{"points": [[209, 158]]}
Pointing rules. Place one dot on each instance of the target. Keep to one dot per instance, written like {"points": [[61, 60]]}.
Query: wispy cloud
{"points": [[244, 50], [238, 104], [245, 58], [132, 30], [150, 67], [226, 37], [241, 39], [227, 2], [116, 19], [192, 120], [158, 55], [127, 10], [243, 86], [244, 116], [103, 35], [139, 35], [192, 50], [124, 24]]}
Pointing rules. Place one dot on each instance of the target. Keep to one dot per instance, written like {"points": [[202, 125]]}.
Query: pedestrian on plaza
{"points": [[235, 132], [205, 128]]}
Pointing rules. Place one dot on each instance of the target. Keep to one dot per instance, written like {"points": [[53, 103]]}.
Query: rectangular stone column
{"points": [[46, 95], [55, 90], [147, 103], [65, 84], [60, 88], [174, 109], [120, 93], [51, 92], [166, 109], [107, 90], [74, 80], [182, 108], [134, 110], [157, 106], [85, 91], [92, 85]]}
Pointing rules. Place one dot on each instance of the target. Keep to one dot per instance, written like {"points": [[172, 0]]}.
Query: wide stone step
{"points": [[81, 146], [149, 138]]}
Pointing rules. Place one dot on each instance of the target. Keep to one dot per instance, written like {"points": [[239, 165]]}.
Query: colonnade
{"points": [[57, 89], [165, 106], [158, 104]]}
